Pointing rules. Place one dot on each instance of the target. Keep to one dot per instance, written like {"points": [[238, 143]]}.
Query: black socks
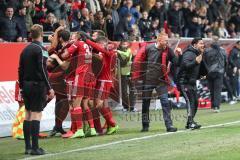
{"points": [[27, 134], [35, 133]]}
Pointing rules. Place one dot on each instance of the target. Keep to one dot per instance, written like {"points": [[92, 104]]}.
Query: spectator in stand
{"points": [[93, 6], [123, 29], [175, 19], [21, 19], [212, 11], [209, 33], [128, 8], [53, 6], [188, 11], [85, 23], [29, 13], [112, 18], [98, 21], [231, 30], [159, 12], [215, 27], [222, 31], [155, 30], [145, 26], [3, 5], [135, 35], [75, 21], [91, 17], [48, 25], [225, 10], [195, 28], [236, 21], [64, 9], [40, 12], [9, 27]]}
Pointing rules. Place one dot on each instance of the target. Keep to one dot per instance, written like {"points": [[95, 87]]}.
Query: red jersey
{"points": [[108, 61], [80, 58]]}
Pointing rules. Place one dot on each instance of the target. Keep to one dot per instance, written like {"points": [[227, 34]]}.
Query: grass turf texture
{"points": [[218, 143]]}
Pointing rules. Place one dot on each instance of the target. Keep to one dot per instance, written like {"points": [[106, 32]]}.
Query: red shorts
{"points": [[103, 89], [81, 86], [18, 96]]}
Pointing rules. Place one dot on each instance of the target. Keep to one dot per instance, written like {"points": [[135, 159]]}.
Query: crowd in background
{"points": [[122, 19]]}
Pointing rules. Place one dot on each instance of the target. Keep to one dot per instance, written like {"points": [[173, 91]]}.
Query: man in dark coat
{"points": [[187, 76]]}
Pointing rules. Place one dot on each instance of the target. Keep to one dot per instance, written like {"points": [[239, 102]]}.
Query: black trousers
{"points": [[226, 82], [234, 84], [128, 93], [189, 93], [166, 108], [215, 84]]}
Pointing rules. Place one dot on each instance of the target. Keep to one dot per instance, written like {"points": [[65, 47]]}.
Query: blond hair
{"points": [[161, 35], [36, 31]]}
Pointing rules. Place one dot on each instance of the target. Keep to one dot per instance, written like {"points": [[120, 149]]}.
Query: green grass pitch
{"points": [[215, 143]]}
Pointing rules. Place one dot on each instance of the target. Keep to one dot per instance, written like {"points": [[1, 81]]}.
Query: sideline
{"points": [[123, 141]]}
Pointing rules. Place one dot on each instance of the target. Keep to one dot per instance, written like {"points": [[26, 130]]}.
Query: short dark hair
{"points": [[65, 35], [36, 31], [101, 38], [238, 42], [9, 6], [196, 40]]}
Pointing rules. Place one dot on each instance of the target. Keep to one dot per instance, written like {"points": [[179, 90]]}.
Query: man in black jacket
{"points": [[175, 19], [215, 59], [234, 67], [159, 12], [123, 30], [187, 76], [21, 20], [35, 88], [9, 28]]}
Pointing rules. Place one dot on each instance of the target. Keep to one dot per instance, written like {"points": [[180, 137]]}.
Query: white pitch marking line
{"points": [[122, 141]]}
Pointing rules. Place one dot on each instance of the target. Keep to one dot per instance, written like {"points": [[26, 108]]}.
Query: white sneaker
{"points": [[124, 110], [232, 102], [216, 110], [134, 110]]}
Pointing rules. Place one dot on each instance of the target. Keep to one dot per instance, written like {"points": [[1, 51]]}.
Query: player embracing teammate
{"points": [[82, 86]]}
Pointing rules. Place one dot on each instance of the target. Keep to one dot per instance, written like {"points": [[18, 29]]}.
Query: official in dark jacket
{"points": [[35, 88], [188, 74], [215, 59], [234, 67]]}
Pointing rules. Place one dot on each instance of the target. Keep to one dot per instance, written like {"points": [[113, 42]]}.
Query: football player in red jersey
{"points": [[104, 82], [60, 40], [80, 83]]}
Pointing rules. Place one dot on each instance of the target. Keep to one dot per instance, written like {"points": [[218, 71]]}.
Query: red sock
{"points": [[76, 117], [106, 112], [73, 127], [96, 120], [89, 117]]}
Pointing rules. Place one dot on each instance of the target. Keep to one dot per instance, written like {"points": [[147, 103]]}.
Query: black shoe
{"points": [[57, 130], [144, 129], [38, 151], [28, 151], [171, 129], [193, 126]]}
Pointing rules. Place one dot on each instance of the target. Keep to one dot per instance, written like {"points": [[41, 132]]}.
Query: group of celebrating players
{"points": [[78, 89]]}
